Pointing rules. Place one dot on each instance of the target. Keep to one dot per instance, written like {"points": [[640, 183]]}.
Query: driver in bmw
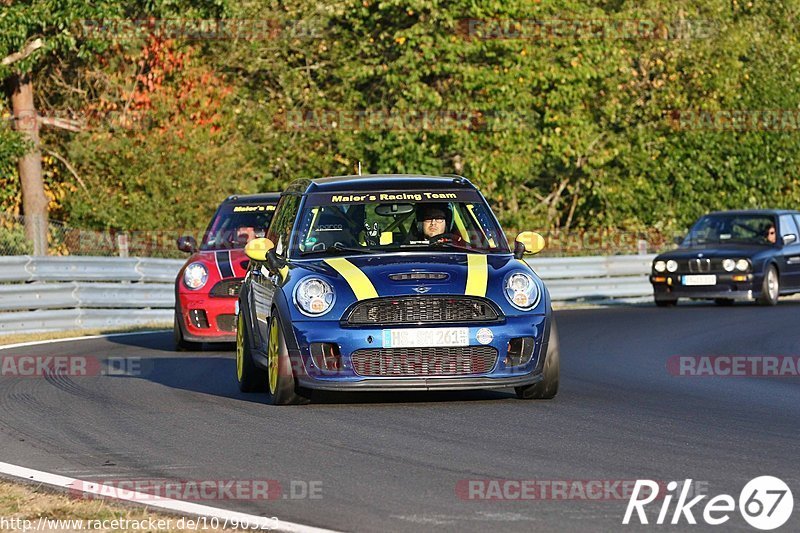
{"points": [[435, 220]]}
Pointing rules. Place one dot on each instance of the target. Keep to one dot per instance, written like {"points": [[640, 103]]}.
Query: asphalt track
{"points": [[396, 461]]}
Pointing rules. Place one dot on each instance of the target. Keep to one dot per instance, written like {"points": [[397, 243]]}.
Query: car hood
{"points": [[413, 274], [716, 251], [223, 263]]}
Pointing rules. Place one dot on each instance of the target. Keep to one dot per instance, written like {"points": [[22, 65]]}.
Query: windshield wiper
{"points": [[339, 248], [441, 244]]}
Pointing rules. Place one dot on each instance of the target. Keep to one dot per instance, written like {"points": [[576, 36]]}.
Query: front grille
{"points": [[422, 309], [699, 265], [416, 276], [441, 361], [226, 322], [228, 288]]}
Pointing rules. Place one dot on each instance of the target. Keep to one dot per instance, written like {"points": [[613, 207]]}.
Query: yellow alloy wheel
{"points": [[239, 347], [273, 356]]}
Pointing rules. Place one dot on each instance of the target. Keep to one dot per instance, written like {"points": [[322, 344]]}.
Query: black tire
{"points": [[665, 303], [548, 387], [281, 389], [250, 377], [770, 287], [181, 344], [724, 302]]}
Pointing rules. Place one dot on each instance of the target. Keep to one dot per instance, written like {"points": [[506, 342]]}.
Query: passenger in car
{"points": [[770, 234]]}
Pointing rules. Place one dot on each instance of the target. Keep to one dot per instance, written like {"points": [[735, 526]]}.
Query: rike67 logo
{"points": [[765, 503]]}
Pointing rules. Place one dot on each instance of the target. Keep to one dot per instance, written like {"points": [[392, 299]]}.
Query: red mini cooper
{"points": [[208, 284]]}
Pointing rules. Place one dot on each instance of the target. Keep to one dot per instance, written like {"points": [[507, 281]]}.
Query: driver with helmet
{"points": [[434, 221]]}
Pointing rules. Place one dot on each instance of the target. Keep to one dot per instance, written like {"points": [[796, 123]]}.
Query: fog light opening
{"points": [[326, 356], [198, 318], [520, 351]]}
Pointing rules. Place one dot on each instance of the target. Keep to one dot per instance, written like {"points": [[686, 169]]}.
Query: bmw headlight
{"points": [[728, 265], [521, 291], [314, 296], [672, 265], [660, 266], [195, 276], [742, 264]]}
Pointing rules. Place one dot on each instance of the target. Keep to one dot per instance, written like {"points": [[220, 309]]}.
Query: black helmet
{"points": [[429, 211]]}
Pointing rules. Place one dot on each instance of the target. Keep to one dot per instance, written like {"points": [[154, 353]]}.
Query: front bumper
{"points": [[729, 286], [350, 339], [421, 384], [206, 319]]}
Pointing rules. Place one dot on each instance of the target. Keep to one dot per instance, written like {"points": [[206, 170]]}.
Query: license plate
{"points": [[425, 337], [700, 279]]}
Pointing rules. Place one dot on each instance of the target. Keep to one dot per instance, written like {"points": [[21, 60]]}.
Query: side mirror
{"points": [[257, 249], [678, 240], [275, 261], [789, 238], [187, 244], [528, 242]]}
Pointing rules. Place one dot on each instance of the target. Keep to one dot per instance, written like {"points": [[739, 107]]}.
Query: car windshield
{"points": [[730, 228], [234, 226], [333, 224]]}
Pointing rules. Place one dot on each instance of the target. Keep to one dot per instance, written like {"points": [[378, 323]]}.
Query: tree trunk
{"points": [[34, 201]]}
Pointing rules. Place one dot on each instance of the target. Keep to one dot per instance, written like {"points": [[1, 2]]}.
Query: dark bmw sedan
{"points": [[732, 255]]}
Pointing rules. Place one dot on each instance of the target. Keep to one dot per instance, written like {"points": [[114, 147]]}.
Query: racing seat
{"points": [[332, 227]]}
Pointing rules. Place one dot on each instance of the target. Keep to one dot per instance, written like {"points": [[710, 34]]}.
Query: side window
{"points": [[788, 226], [281, 228]]}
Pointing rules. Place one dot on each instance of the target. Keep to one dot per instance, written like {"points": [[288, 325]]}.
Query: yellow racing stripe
{"points": [[477, 275], [358, 281]]}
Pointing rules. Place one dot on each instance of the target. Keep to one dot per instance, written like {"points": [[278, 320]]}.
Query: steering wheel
{"points": [[441, 238], [321, 247]]}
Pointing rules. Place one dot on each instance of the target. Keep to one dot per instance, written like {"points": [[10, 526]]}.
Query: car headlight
{"points": [[728, 264], [195, 276], [314, 296], [672, 265], [660, 266], [742, 264], [521, 291]]}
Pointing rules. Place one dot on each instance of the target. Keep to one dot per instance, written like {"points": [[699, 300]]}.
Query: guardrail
{"points": [[40, 294], [61, 293], [616, 276]]}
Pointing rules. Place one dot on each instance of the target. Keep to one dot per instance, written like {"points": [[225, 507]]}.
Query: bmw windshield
{"points": [[731, 229], [338, 223]]}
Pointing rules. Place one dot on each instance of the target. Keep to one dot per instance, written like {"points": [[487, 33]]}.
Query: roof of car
{"points": [[372, 182], [267, 197], [756, 212]]}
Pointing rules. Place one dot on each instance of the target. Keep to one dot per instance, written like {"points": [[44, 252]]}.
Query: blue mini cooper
{"points": [[390, 282]]}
